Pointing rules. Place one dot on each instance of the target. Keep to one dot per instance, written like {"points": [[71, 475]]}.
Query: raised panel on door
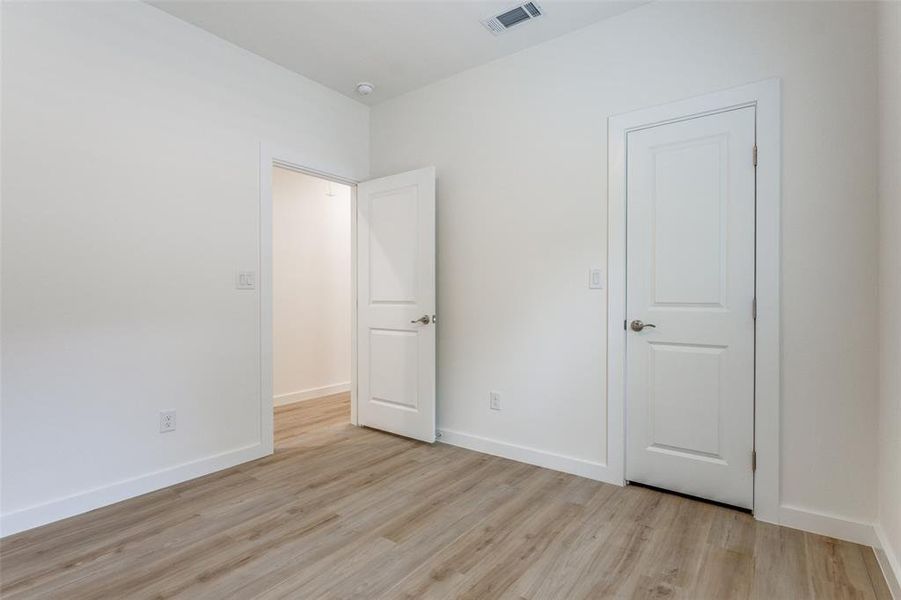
{"points": [[393, 247], [394, 368], [690, 273], [688, 215], [684, 396], [396, 291]]}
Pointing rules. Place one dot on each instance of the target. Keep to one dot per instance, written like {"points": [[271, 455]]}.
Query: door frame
{"points": [[273, 156], [765, 96]]}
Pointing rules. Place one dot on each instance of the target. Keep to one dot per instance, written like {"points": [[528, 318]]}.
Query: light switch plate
{"points": [[246, 280], [595, 279]]}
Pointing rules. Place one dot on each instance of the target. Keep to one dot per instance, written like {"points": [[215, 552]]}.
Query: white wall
{"points": [[889, 521], [520, 146], [310, 286], [130, 198]]}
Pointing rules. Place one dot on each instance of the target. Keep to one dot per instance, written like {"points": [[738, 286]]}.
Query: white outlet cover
{"points": [[595, 279], [494, 400], [167, 421]]}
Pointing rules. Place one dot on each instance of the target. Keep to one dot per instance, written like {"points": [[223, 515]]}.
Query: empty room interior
{"points": [[450, 299]]}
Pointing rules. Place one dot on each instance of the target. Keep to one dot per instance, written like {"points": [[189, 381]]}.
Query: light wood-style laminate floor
{"points": [[345, 512]]}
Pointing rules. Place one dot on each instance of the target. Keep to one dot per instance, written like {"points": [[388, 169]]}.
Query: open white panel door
{"points": [[396, 304]]}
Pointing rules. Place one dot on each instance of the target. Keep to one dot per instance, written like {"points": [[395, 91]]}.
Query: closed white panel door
{"points": [[690, 281], [396, 304]]}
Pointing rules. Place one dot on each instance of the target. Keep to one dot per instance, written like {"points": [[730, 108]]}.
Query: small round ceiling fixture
{"points": [[364, 88]]}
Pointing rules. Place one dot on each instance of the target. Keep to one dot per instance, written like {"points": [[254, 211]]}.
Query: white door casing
{"points": [[396, 304], [690, 272]]}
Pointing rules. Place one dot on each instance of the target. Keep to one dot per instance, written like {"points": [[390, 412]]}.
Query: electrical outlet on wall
{"points": [[494, 400], [167, 421]]}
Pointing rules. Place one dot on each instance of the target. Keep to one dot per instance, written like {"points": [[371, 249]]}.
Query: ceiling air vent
{"points": [[504, 21]]}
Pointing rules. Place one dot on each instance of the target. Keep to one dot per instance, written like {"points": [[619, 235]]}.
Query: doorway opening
{"points": [[388, 228], [312, 305]]}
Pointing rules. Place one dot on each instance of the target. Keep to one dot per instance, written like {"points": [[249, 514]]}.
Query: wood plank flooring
{"points": [[346, 512]]}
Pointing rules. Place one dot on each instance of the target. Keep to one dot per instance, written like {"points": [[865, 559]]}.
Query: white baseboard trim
{"points": [[319, 392], [859, 532], [888, 561], [82, 502], [549, 460]]}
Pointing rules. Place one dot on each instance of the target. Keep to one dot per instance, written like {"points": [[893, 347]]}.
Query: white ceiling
{"points": [[397, 45]]}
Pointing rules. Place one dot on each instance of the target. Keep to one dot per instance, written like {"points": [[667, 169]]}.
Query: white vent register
{"points": [[504, 21]]}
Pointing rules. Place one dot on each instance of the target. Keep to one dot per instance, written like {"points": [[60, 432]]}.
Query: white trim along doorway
{"points": [[765, 98]]}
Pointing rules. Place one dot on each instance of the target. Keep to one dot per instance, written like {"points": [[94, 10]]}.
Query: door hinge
{"points": [[625, 324], [753, 460], [754, 308], [755, 155]]}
